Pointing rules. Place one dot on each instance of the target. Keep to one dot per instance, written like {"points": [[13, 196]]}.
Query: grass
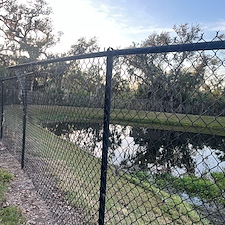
{"points": [[207, 188], [77, 174], [160, 120], [5, 177], [9, 215], [219, 179]]}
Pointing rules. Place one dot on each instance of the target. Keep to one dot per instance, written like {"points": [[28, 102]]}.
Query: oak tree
{"points": [[26, 31]]}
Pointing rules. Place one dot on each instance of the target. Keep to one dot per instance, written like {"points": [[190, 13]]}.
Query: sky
{"points": [[118, 23]]}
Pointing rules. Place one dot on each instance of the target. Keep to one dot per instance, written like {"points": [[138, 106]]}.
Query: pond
{"points": [[147, 149]]}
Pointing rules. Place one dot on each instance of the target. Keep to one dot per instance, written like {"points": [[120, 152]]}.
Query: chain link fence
{"points": [[133, 136]]}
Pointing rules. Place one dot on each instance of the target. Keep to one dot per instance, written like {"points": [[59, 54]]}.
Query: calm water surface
{"points": [[148, 149]]}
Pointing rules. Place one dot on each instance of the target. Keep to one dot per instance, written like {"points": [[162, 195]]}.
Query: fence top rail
{"points": [[200, 46]]}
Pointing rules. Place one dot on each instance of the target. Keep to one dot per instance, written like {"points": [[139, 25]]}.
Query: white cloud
{"points": [[210, 30], [149, 30], [110, 24], [78, 18], [215, 26], [114, 23]]}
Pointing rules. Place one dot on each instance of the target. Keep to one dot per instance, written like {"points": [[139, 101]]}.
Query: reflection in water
{"points": [[148, 149], [178, 152]]}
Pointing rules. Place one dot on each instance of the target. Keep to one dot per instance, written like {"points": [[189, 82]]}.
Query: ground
{"points": [[22, 193]]}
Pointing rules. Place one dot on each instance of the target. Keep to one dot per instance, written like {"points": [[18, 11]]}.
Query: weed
{"points": [[202, 187], [10, 215]]}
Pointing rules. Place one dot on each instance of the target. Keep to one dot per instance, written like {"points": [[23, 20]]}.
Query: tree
{"points": [[78, 80], [26, 31], [84, 46], [168, 80], [85, 77]]}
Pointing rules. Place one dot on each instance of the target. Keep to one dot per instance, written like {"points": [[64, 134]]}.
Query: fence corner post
{"points": [[104, 164]]}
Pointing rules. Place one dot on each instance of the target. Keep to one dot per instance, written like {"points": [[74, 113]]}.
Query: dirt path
{"points": [[22, 193]]}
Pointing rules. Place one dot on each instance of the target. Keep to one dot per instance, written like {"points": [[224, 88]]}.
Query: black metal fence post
{"points": [[2, 109], [24, 98], [107, 106]]}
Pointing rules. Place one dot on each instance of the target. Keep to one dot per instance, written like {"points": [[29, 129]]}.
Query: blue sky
{"points": [[117, 23]]}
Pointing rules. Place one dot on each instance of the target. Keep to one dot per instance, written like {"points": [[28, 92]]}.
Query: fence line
{"points": [[215, 45], [153, 157]]}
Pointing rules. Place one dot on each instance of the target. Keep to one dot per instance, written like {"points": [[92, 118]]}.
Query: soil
{"points": [[22, 193]]}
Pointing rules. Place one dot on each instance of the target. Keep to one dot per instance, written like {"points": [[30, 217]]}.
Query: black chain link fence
{"points": [[151, 118]]}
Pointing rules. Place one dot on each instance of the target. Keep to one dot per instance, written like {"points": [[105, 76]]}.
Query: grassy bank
{"points": [[158, 120], [76, 173], [9, 215], [209, 188]]}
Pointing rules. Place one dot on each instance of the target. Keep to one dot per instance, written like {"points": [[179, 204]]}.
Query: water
{"points": [[148, 149], [155, 151]]}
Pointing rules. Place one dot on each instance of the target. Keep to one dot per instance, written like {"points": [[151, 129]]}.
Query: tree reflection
{"points": [[87, 135], [149, 148], [169, 149]]}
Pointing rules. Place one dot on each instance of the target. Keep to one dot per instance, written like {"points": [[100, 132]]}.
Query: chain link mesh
{"points": [[166, 145]]}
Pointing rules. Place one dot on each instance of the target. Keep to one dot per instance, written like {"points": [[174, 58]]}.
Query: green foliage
{"points": [[4, 179], [179, 82], [11, 215], [5, 176], [163, 179], [202, 187], [173, 204], [141, 175], [8, 215], [219, 179], [84, 46]]}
